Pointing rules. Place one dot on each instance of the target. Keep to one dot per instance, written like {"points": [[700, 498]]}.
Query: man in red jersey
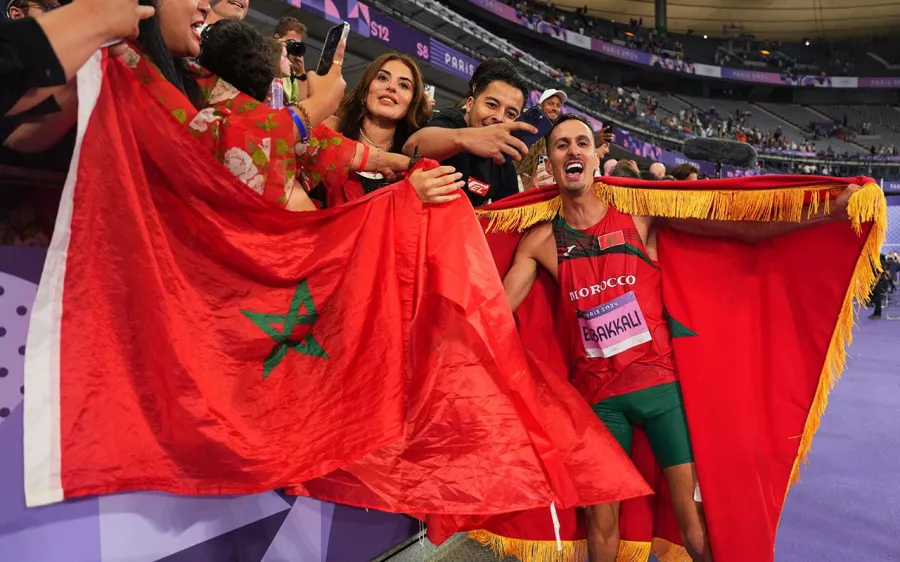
{"points": [[605, 263]]}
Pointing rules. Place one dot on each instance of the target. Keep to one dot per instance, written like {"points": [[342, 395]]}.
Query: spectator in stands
{"points": [[386, 106], [290, 29], [534, 170], [658, 169], [478, 142], [276, 98], [626, 169], [227, 10], [685, 172], [551, 102], [289, 32], [609, 165], [18, 9], [602, 139]]}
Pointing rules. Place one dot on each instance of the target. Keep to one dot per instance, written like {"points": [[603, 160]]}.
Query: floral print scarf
{"points": [[261, 146]]}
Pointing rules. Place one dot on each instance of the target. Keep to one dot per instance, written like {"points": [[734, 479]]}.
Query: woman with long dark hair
{"points": [[386, 106]]}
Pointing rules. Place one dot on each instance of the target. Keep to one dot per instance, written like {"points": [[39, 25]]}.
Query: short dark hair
{"points": [[624, 170], [488, 66], [648, 175], [683, 171], [288, 24], [238, 54], [501, 74], [570, 117]]}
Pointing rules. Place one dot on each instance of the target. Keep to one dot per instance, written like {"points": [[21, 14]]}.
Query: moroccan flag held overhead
{"points": [[759, 333], [189, 337]]}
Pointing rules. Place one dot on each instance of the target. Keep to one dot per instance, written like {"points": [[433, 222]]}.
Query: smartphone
{"points": [[335, 35], [535, 117], [429, 91]]}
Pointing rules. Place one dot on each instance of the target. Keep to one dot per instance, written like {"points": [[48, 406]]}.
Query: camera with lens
{"points": [[295, 48]]}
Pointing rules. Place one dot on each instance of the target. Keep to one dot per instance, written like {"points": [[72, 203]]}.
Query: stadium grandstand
{"points": [[813, 87]]}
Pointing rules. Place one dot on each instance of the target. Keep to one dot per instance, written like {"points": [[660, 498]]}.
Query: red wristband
{"points": [[365, 158]]}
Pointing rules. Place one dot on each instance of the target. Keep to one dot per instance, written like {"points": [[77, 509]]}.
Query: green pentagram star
{"points": [[283, 340]]}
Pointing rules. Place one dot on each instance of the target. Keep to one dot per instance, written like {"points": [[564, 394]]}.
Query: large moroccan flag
{"points": [[759, 336], [190, 337]]}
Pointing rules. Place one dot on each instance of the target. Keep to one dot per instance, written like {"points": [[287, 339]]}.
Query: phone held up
{"points": [[335, 35], [535, 117]]}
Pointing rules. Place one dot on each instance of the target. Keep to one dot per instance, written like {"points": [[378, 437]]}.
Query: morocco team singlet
{"points": [[612, 299]]}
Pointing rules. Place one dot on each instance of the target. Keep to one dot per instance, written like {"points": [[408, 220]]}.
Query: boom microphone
{"points": [[721, 151]]}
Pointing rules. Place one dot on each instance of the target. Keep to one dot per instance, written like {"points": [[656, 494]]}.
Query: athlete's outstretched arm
{"points": [[754, 231], [520, 278], [536, 248]]}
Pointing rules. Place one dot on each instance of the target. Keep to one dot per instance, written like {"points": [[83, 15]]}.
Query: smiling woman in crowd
{"points": [[387, 105]]}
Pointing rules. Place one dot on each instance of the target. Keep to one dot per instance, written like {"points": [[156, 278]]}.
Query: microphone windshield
{"points": [[721, 151]]}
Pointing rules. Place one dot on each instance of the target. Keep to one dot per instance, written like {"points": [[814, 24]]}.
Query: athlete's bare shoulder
{"points": [[539, 244], [537, 234], [536, 239]]}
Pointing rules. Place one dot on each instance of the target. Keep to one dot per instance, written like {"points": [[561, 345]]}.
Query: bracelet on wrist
{"points": [[298, 121], [302, 120]]}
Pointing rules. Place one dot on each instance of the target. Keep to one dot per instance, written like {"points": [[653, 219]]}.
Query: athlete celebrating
{"points": [[605, 263]]}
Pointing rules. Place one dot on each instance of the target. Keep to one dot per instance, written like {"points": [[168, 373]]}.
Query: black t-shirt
{"points": [[484, 179], [27, 61]]}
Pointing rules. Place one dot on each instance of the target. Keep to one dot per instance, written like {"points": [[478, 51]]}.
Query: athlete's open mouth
{"points": [[574, 169]]}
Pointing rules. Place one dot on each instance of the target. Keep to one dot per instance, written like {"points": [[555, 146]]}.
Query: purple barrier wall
{"points": [[147, 527]]}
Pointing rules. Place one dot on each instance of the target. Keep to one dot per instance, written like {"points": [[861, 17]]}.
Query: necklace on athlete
{"points": [[369, 141]]}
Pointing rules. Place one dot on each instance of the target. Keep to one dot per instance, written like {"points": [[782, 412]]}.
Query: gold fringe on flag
{"points": [[667, 551], [536, 551], [866, 205], [633, 551], [765, 205], [576, 551], [521, 218], [784, 205]]}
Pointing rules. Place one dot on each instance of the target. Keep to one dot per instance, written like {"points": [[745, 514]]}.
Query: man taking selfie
{"points": [[478, 139]]}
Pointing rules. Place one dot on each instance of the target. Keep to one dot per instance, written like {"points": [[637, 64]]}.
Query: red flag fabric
{"points": [[759, 341], [190, 337]]}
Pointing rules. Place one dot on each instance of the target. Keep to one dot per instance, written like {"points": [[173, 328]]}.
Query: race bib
{"points": [[613, 327]]}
